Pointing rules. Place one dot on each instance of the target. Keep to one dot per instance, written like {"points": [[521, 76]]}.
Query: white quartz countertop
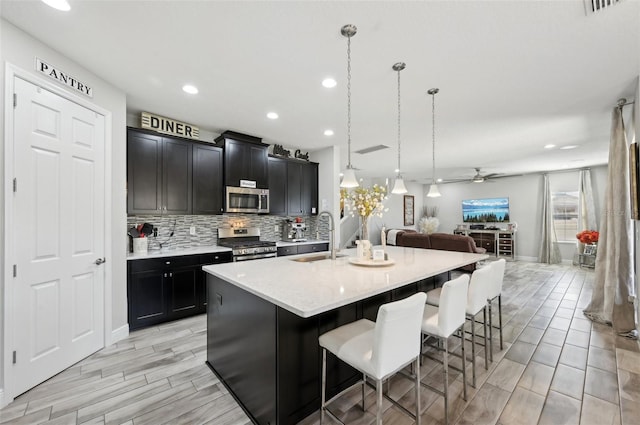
{"points": [[307, 242], [311, 288], [175, 252]]}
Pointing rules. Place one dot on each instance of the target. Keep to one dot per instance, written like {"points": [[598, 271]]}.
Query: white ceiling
{"points": [[513, 76]]}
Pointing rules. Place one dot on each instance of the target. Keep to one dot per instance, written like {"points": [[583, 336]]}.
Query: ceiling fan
{"points": [[477, 178]]}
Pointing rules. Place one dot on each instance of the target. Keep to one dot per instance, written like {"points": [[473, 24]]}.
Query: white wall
{"points": [[394, 217], [20, 50], [328, 183], [525, 204]]}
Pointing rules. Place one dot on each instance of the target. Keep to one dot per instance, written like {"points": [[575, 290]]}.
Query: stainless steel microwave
{"points": [[247, 200]]}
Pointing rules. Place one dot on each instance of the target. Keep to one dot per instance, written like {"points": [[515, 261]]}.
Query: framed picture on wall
{"points": [[408, 210]]}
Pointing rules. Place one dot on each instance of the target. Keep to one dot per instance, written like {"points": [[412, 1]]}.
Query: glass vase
{"points": [[364, 230]]}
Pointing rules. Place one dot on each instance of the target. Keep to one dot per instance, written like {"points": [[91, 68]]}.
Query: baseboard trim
{"points": [[119, 334]]}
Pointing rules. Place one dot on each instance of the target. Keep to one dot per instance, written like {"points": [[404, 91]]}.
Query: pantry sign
{"points": [[169, 126], [63, 78]]}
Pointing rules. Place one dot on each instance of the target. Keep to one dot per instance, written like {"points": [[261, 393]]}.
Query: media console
{"points": [[502, 243]]}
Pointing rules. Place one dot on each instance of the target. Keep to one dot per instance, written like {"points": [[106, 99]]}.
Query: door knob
{"points": [[100, 261]]}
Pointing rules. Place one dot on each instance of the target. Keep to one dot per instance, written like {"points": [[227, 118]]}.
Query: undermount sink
{"points": [[317, 257]]}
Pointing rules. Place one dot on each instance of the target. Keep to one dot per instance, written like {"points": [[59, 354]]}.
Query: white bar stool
{"points": [[476, 302], [443, 321], [379, 349], [495, 291]]}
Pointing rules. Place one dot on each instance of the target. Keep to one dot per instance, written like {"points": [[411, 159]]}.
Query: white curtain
{"points": [[549, 250], [587, 204], [614, 286]]}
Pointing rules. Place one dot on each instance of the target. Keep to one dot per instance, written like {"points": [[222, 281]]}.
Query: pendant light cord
{"points": [[349, 102], [433, 136], [399, 122]]}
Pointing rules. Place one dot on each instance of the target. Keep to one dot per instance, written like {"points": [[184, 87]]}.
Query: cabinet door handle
{"points": [[165, 275], [168, 262]]}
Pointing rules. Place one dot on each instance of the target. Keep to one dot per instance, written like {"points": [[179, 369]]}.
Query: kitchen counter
{"points": [[310, 288], [264, 318], [175, 252], [307, 242]]}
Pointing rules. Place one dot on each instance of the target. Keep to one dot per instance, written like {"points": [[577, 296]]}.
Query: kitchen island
{"points": [[264, 318]]}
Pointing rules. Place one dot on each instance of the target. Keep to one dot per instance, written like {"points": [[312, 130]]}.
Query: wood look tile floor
{"points": [[556, 368]]}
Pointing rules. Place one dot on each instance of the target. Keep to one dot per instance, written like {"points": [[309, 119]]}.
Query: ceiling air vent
{"points": [[598, 5], [372, 149]]}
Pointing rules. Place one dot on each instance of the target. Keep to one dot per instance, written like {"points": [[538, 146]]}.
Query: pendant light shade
{"points": [[349, 179], [399, 187], [433, 189]]}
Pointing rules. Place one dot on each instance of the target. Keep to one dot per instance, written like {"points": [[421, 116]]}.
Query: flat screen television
{"points": [[487, 210]]}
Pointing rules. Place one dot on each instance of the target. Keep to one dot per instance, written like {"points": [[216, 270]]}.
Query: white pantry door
{"points": [[58, 210]]}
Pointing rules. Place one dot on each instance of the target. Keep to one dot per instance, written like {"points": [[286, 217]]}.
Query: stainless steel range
{"points": [[245, 243]]}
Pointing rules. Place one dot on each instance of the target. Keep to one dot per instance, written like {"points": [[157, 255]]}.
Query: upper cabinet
{"points": [[168, 175], [207, 180], [293, 187], [245, 158]]}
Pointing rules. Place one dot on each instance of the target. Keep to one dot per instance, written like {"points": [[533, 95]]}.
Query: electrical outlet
{"points": [[192, 230], [275, 227]]}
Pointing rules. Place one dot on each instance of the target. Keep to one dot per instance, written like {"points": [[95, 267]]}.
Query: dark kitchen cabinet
{"points": [[168, 288], [293, 187], [277, 186], [245, 158], [158, 174], [207, 180]]}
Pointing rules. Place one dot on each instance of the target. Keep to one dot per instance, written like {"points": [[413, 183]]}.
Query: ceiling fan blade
{"points": [[492, 175]]}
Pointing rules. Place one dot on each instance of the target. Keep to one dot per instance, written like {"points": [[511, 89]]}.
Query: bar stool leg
{"points": [[490, 331], [500, 319], [417, 384], [486, 346], [379, 402], [473, 348], [364, 383], [464, 364], [445, 364], [324, 383]]}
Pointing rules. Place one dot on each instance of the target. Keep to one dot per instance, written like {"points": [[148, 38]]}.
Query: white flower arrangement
{"points": [[364, 201], [429, 223]]}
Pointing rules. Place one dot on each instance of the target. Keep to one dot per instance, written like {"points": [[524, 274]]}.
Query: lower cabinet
{"points": [[302, 248], [168, 288]]}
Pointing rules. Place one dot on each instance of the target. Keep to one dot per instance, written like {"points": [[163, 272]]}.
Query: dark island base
{"points": [[269, 359]]}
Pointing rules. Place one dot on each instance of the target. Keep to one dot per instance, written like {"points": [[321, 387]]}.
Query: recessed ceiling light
{"points": [[328, 132], [549, 146], [329, 83], [58, 4], [568, 147], [397, 170], [188, 88], [272, 116]]}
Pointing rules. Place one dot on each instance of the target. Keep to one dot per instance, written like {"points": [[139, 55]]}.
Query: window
{"points": [[565, 215]]}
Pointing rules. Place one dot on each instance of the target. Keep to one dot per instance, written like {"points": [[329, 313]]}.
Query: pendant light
{"points": [[349, 176], [399, 187], [433, 189]]}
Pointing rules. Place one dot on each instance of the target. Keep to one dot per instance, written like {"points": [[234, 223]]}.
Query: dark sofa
{"points": [[442, 241]]}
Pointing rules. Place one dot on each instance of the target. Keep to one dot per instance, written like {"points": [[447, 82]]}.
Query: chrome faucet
{"points": [[332, 230]]}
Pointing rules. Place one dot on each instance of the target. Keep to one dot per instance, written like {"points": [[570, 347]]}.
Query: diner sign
{"points": [[169, 126], [62, 77]]}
